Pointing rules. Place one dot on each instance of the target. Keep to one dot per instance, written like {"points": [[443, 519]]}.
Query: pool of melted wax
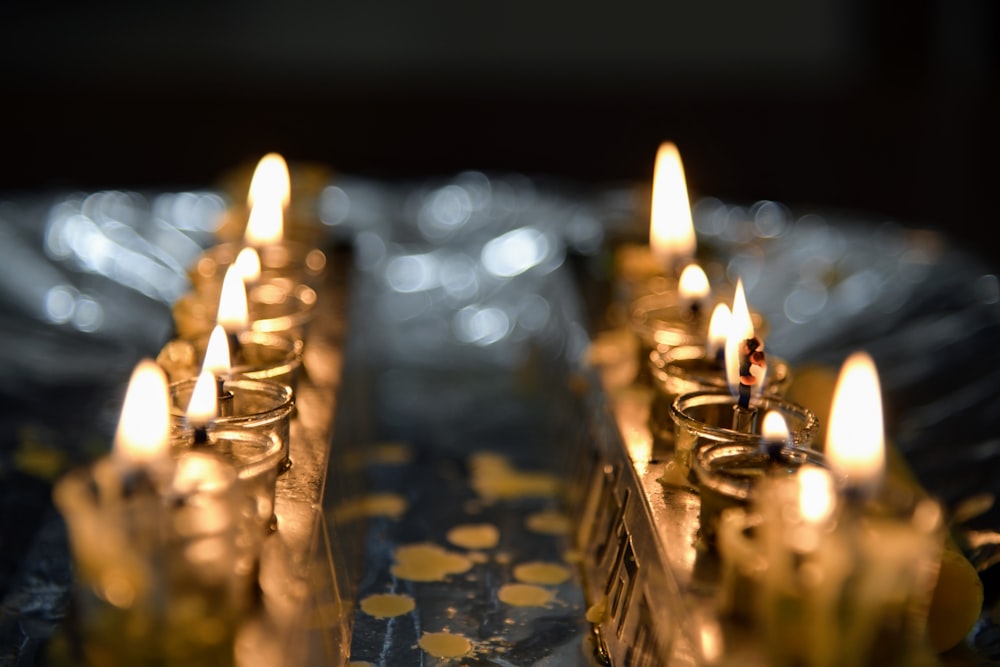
{"points": [[483, 547]]}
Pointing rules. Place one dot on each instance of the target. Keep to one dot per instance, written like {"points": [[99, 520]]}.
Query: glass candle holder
{"points": [[287, 259], [689, 368], [257, 458], [261, 356], [704, 418], [155, 575], [663, 320], [729, 473], [851, 590], [259, 406], [273, 306]]}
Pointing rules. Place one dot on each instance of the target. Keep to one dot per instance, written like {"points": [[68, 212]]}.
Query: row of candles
{"points": [[166, 531], [824, 555]]}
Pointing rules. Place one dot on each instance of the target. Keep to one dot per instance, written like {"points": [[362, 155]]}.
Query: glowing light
{"points": [[413, 273], [515, 252], [816, 494], [718, 327], [248, 263], [266, 223], [232, 313], [740, 329], [144, 427], [671, 229], [774, 428], [217, 360], [855, 439], [481, 326], [203, 407], [270, 182], [201, 472], [693, 284]]}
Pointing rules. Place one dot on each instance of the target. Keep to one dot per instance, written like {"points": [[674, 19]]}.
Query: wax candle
{"points": [[729, 471], [895, 536], [281, 261], [655, 267], [260, 406], [154, 542], [848, 575], [688, 368], [256, 454], [272, 305]]}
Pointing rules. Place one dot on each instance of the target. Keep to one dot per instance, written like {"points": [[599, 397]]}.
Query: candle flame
{"points": [[203, 407], [718, 327], [816, 494], [217, 360], [774, 428], [693, 284], [248, 263], [270, 181], [143, 433], [671, 229], [855, 439], [740, 329], [232, 314], [266, 223]]}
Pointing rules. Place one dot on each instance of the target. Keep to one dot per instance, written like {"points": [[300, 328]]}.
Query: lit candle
{"points": [[774, 435], [257, 454], [894, 536], [694, 290], [203, 407], [281, 260], [855, 439], [671, 229], [140, 451], [152, 533], [745, 360]]}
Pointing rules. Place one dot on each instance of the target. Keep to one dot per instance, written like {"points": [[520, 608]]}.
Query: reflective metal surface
{"points": [[472, 305]]}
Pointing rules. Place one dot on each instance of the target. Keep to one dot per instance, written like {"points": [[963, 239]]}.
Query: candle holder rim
{"points": [[800, 436]]}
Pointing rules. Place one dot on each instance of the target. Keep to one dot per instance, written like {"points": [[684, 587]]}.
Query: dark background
{"points": [[884, 108]]}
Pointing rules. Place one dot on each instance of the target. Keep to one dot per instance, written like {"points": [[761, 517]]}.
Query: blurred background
{"points": [[856, 105]]}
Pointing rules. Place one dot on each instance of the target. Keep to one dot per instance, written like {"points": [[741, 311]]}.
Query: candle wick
{"points": [[775, 451], [200, 436], [224, 397], [136, 481]]}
